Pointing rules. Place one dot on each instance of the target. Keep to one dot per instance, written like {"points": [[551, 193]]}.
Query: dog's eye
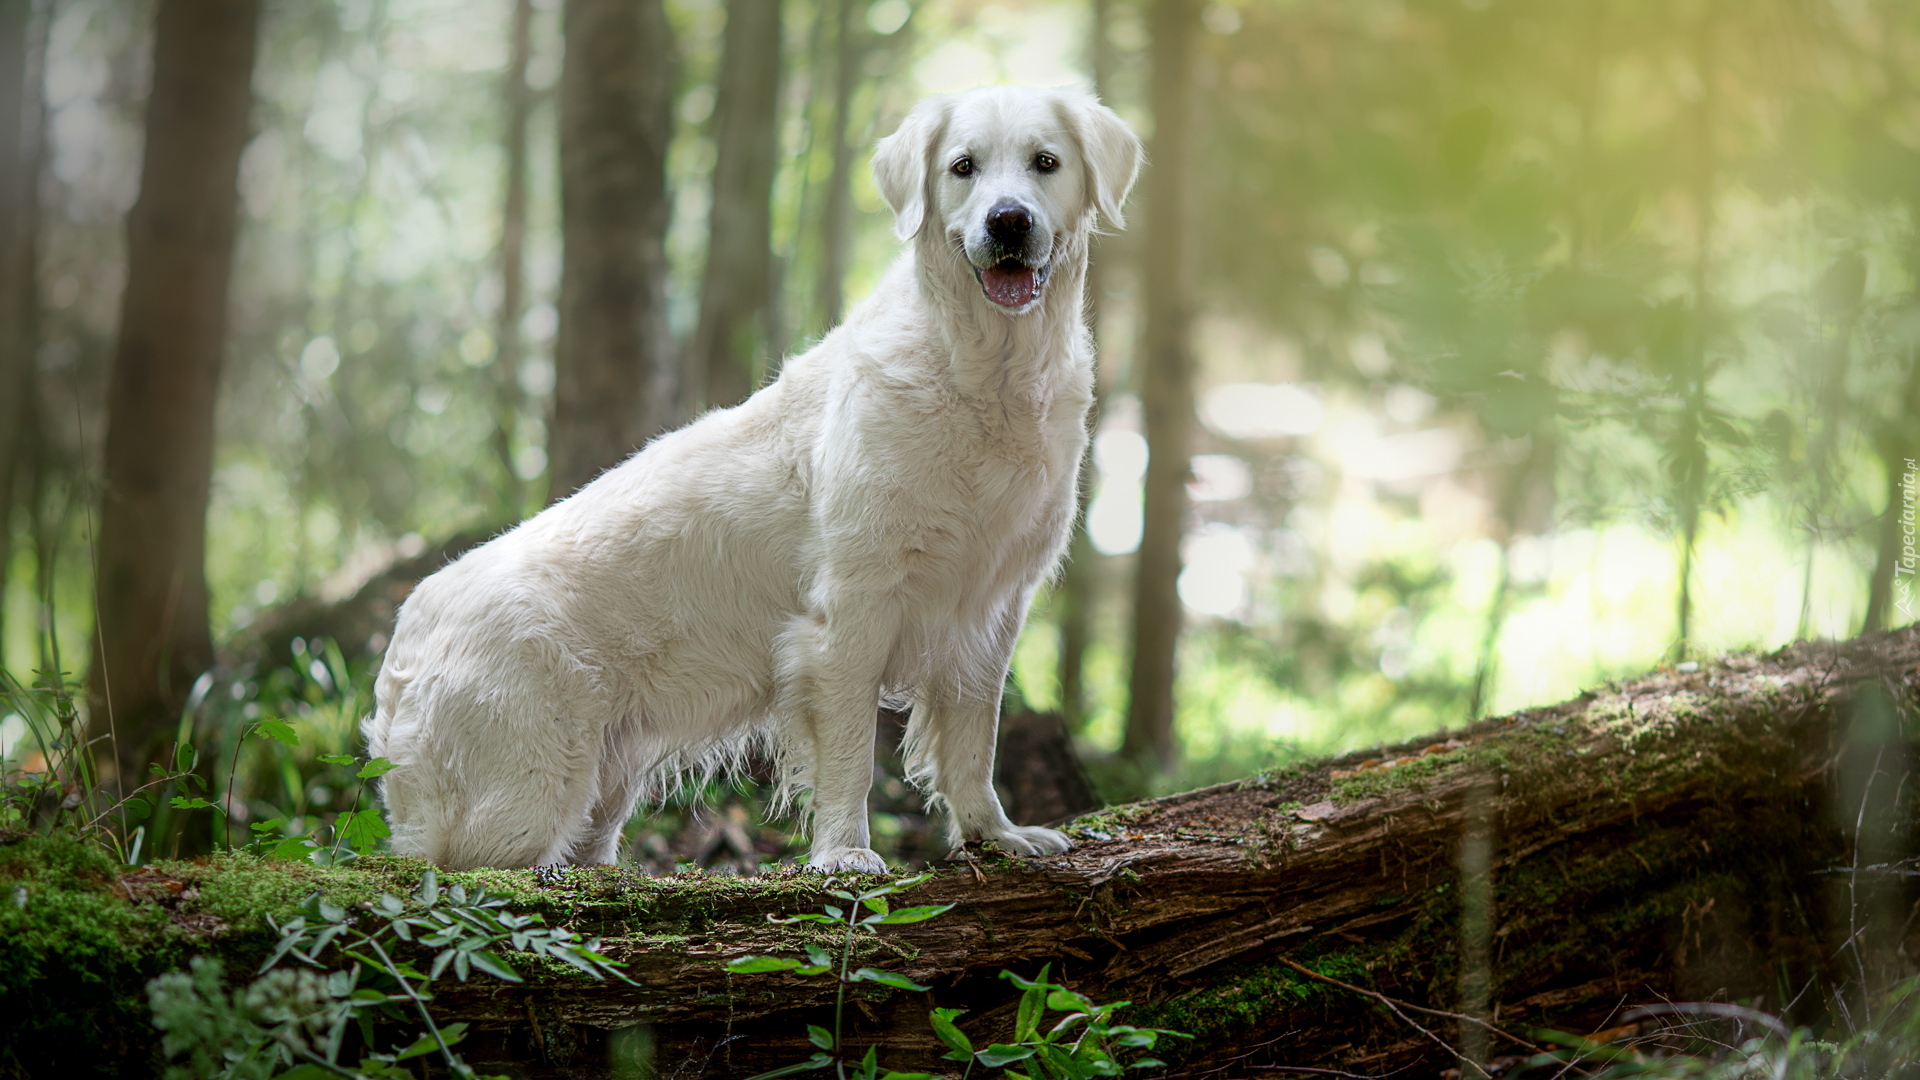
{"points": [[1046, 162], [962, 166]]}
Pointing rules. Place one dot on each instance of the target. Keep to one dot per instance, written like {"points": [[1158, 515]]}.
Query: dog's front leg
{"points": [[835, 658]]}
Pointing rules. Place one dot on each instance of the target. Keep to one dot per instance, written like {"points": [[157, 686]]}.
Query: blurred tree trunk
{"points": [[513, 231], [613, 357], [736, 293], [1079, 579], [16, 358], [1690, 461], [1166, 385], [836, 225], [150, 585]]}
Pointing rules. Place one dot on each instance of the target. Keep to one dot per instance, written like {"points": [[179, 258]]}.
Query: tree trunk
{"points": [[615, 378], [152, 639], [1079, 578], [1683, 835], [736, 294], [1166, 390], [16, 356], [513, 231], [836, 224]]}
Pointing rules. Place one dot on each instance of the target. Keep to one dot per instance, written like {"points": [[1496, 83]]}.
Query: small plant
{"points": [[864, 912], [1084, 1043], [298, 1018], [53, 788]]}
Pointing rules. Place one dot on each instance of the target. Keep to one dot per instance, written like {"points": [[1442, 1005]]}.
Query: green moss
{"points": [[75, 959]]}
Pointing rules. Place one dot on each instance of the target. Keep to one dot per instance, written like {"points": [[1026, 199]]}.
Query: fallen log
{"points": [[1698, 833]]}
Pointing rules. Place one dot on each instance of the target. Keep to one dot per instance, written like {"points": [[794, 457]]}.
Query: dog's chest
{"points": [[992, 499]]}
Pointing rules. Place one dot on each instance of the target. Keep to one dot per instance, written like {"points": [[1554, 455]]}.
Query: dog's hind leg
{"points": [[619, 783]]}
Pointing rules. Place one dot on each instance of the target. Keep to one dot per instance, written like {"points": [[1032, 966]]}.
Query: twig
{"points": [[1314, 1071], [1396, 1005], [1393, 1007]]}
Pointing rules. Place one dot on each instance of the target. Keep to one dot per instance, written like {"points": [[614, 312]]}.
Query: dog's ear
{"points": [[1113, 155], [901, 164]]}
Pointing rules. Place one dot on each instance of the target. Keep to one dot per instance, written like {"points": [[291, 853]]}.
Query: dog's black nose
{"points": [[1009, 223]]}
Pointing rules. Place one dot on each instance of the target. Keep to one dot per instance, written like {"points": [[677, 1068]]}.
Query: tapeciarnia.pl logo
{"points": [[1903, 570]]}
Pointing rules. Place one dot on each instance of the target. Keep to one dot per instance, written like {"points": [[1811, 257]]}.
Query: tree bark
{"points": [[152, 639], [16, 356], [736, 292], [1079, 578], [1166, 390], [836, 224], [513, 231], [615, 378]]}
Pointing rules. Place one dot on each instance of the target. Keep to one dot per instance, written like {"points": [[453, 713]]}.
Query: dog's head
{"points": [[1004, 173]]}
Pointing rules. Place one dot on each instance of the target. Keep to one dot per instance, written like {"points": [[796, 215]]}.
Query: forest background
{"points": [[1461, 354]]}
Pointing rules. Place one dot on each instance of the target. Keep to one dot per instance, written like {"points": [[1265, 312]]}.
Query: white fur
{"points": [[872, 523]]}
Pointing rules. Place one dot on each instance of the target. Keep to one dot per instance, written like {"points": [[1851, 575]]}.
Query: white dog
{"points": [[872, 524]]}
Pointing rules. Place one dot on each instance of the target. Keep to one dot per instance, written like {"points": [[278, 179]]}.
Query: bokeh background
{"points": [[1535, 343]]}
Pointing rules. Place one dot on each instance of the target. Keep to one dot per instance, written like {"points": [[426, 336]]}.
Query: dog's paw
{"points": [[1030, 840], [846, 860]]}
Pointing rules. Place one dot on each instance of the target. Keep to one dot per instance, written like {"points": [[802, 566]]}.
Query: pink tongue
{"points": [[1008, 288]]}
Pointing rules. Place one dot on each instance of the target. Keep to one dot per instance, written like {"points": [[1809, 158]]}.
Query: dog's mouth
{"points": [[1011, 283]]}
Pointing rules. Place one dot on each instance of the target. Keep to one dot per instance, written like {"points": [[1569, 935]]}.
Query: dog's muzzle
{"points": [[1011, 280]]}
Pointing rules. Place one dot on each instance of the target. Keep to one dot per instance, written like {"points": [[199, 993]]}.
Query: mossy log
{"points": [[1677, 835]]}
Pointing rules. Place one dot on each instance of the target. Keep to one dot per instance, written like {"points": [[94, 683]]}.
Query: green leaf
{"points": [[886, 978], [753, 965], [181, 802], [336, 759], [138, 808], [375, 767], [429, 888], [1065, 1000], [183, 757], [362, 829], [268, 826], [891, 1075], [915, 914], [422, 1046], [494, 966], [876, 903], [948, 1032], [1032, 1005], [1148, 1063], [820, 1036], [278, 730], [293, 847], [1001, 1054]]}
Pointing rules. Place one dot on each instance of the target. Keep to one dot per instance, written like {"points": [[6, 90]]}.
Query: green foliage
{"points": [[298, 1018], [55, 792], [1084, 1043], [859, 913]]}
